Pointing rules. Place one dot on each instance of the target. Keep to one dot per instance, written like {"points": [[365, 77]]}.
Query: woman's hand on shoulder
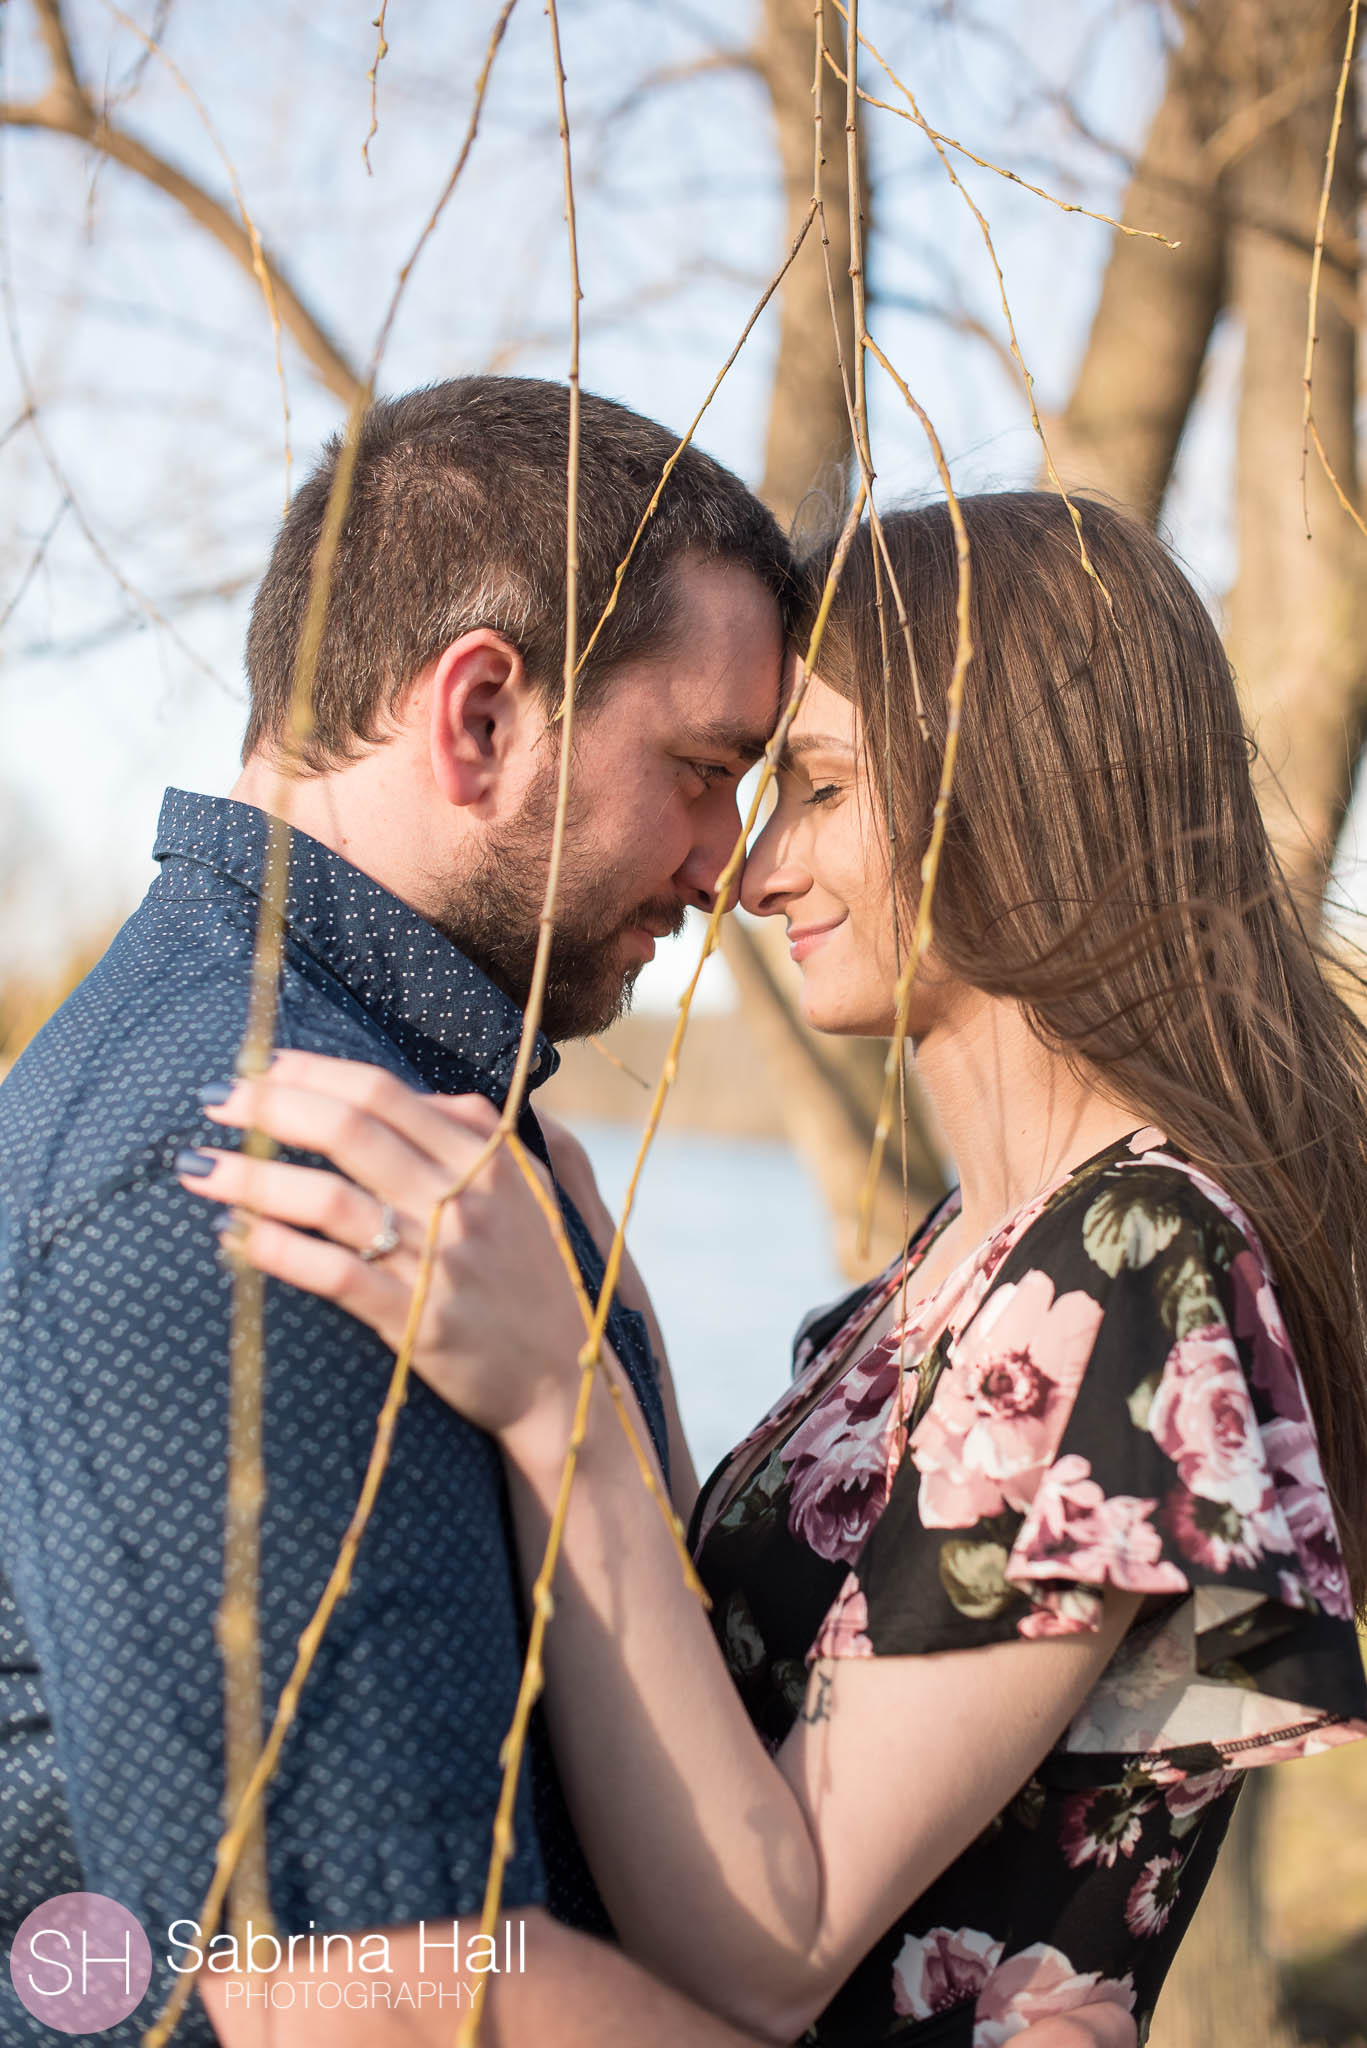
{"points": [[502, 1325]]}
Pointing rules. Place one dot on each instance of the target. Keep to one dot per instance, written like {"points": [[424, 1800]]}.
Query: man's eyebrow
{"points": [[728, 736], [814, 743]]}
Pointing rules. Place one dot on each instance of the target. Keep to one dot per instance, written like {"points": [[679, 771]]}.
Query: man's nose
{"points": [[707, 858]]}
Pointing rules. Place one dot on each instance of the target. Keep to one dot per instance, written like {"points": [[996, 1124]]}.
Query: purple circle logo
{"points": [[81, 1962]]}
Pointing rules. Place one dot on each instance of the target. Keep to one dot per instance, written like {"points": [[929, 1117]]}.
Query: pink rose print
{"points": [[1002, 1402], [1202, 1417], [1304, 1498], [1074, 1530], [1258, 1320], [1036, 1984], [1099, 1826], [1061, 1611], [841, 1461], [988, 1258], [844, 1632], [935, 1972], [1189, 1795], [1147, 1139], [1211, 1533]]}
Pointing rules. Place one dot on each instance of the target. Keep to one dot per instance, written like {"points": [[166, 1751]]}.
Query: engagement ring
{"points": [[386, 1238]]}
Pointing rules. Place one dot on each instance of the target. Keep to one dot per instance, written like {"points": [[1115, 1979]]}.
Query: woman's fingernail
{"points": [[216, 1094], [193, 1164]]}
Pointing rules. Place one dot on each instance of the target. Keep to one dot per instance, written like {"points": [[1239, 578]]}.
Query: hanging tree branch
{"points": [[67, 108]]}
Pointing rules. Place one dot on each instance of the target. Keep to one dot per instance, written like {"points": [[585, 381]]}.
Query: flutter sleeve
{"points": [[1123, 1408]]}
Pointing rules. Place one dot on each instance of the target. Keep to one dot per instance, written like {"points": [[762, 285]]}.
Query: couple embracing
{"points": [[1058, 1529]]}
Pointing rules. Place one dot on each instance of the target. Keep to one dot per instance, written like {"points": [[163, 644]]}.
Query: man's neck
{"points": [[352, 810]]}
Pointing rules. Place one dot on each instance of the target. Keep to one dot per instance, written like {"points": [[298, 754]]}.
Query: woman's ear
{"points": [[484, 720]]}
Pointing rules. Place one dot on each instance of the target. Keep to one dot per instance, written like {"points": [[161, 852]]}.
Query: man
{"points": [[423, 818]]}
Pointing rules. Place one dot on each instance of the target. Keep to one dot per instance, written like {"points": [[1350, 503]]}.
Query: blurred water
{"points": [[732, 1239]]}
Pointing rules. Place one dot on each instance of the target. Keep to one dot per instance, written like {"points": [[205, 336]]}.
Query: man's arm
{"points": [[574, 1993]]}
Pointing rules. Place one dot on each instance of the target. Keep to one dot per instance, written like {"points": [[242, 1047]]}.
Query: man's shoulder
{"points": [[114, 1075]]}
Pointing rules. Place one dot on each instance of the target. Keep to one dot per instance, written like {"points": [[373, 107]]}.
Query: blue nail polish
{"points": [[194, 1164], [216, 1094]]}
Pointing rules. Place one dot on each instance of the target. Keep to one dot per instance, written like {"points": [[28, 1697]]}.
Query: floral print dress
{"points": [[1103, 1393]]}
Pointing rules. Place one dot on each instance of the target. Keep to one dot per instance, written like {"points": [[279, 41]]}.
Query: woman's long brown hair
{"points": [[1106, 866]]}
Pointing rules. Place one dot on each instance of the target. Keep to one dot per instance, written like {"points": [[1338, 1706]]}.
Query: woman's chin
{"points": [[841, 1019]]}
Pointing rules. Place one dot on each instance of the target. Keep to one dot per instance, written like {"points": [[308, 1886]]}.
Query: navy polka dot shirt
{"points": [[113, 1390]]}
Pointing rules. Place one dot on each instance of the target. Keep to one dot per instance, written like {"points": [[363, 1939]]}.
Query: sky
{"points": [[151, 358]]}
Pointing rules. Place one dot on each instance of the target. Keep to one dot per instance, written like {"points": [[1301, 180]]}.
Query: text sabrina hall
{"points": [[259, 1952]]}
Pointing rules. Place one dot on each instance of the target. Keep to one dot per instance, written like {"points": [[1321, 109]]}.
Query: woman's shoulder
{"points": [[1140, 1233]]}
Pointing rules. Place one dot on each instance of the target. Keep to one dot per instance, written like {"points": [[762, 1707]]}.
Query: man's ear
{"points": [[484, 719]]}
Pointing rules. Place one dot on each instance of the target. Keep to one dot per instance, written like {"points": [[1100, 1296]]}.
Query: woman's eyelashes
{"points": [[823, 793]]}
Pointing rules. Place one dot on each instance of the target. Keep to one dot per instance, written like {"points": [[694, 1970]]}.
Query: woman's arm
{"points": [[757, 1884], [753, 1882], [573, 1170]]}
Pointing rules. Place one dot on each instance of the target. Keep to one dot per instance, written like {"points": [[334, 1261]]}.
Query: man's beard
{"points": [[494, 917]]}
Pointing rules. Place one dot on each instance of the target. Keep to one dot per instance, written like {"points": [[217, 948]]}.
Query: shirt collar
{"points": [[397, 966]]}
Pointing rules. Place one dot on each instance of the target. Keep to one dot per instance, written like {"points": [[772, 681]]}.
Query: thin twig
{"points": [[31, 417], [67, 109], [999, 171], [610, 1056], [555, 1223], [261, 270], [1309, 430], [532, 1678], [462, 158], [372, 80], [248, 1342], [35, 563], [725, 883], [339, 1579], [1036, 422], [930, 862], [686, 438]]}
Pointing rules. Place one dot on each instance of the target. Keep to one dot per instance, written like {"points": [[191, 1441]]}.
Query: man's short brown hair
{"points": [[457, 520]]}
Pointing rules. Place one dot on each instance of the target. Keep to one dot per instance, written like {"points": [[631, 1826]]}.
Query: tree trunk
{"points": [[1120, 429], [1296, 614], [807, 456]]}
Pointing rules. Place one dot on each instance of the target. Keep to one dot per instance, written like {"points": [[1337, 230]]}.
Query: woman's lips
{"points": [[807, 936]]}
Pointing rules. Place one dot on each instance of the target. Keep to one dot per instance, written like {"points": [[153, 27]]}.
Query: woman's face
{"points": [[822, 862]]}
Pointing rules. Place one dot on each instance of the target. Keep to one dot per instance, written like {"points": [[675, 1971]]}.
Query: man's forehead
{"points": [[744, 737]]}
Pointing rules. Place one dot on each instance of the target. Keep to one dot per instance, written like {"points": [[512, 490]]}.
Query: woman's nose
{"points": [[773, 876]]}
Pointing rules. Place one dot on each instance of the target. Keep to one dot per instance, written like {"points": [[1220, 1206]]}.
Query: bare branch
{"points": [[373, 81], [66, 109], [58, 45]]}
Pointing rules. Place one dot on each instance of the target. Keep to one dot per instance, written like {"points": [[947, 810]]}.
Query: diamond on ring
{"points": [[386, 1238]]}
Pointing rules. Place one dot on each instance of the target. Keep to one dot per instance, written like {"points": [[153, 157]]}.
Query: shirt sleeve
{"points": [[1123, 1408]]}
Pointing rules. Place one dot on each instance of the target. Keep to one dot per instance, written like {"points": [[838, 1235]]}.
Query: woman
{"points": [[1036, 1555]]}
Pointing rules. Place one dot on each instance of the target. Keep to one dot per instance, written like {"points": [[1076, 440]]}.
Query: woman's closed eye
{"points": [[824, 793]]}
